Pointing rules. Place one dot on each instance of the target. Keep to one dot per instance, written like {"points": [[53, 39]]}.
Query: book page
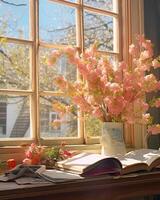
{"points": [[41, 169], [80, 161], [146, 156], [133, 161]]}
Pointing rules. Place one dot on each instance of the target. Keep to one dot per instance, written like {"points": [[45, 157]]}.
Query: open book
{"points": [[87, 164]]}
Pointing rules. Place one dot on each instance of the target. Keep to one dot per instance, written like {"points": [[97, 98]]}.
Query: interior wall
{"points": [[152, 32]]}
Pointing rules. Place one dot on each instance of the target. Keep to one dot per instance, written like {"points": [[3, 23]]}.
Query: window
{"points": [[53, 116], [3, 118], [29, 31]]}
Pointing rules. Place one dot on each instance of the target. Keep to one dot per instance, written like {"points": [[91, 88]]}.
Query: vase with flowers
{"points": [[109, 93]]}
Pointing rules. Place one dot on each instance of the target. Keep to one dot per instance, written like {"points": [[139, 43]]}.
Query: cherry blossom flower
{"points": [[110, 92]]}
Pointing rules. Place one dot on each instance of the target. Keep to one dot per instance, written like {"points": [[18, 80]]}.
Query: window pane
{"points": [[93, 127], [57, 23], [113, 59], [14, 66], [102, 4], [14, 117], [14, 18], [74, 1], [100, 28], [68, 126], [48, 73]]}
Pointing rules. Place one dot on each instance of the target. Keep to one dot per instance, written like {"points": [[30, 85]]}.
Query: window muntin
{"points": [[39, 79], [101, 4]]}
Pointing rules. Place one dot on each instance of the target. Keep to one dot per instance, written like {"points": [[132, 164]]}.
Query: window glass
{"points": [[25, 71], [113, 59], [93, 127], [14, 66], [14, 117], [57, 23], [98, 28], [68, 123], [14, 18], [73, 1], [48, 73], [102, 4]]}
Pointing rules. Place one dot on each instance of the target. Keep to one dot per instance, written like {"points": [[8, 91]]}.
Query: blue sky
{"points": [[52, 16], [17, 17]]}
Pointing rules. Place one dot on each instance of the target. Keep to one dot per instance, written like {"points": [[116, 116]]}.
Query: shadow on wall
{"points": [[152, 32]]}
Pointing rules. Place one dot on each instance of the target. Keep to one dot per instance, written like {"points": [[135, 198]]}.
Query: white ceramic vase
{"points": [[112, 140]]}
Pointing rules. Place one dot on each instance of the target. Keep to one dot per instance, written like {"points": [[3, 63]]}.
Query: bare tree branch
{"points": [[61, 29], [13, 4], [6, 56], [90, 28]]}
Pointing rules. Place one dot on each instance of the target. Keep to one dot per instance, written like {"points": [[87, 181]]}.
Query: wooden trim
{"points": [[137, 21], [79, 27], [133, 186], [35, 92], [126, 33], [15, 92], [80, 44], [67, 3], [33, 69], [100, 11], [141, 11], [132, 18], [116, 35], [81, 4], [126, 40], [120, 30], [52, 141], [37, 97], [17, 41], [110, 53], [137, 18], [92, 140], [15, 141], [53, 46], [50, 93], [78, 47]]}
